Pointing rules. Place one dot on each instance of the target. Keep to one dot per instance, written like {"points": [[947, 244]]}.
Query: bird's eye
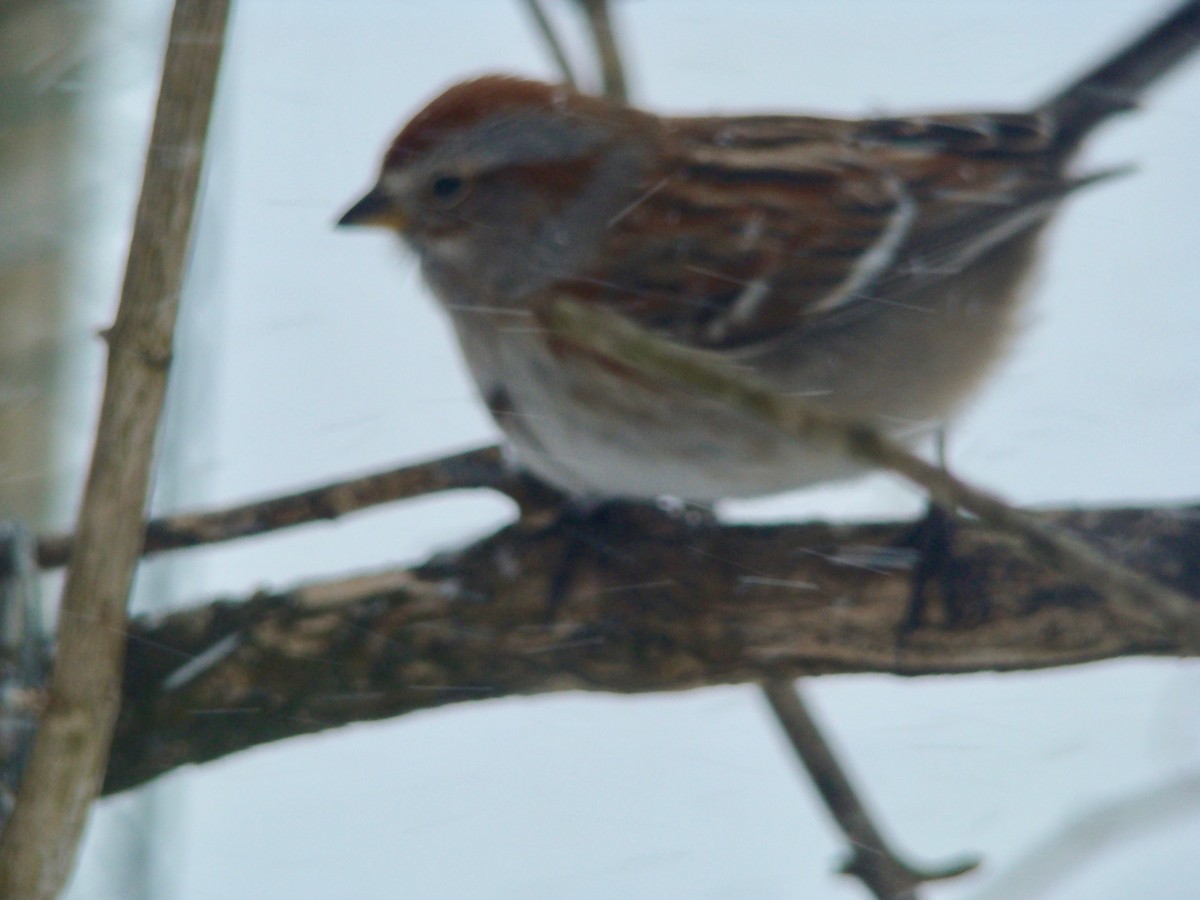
{"points": [[447, 189]]}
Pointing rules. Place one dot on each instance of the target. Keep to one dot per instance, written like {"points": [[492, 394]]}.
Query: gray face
{"points": [[513, 202]]}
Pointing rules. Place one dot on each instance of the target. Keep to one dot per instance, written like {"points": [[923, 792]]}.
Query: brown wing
{"points": [[759, 225]]}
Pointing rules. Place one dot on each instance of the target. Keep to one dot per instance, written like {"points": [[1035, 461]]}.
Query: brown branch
{"points": [[723, 605], [71, 747], [612, 71], [871, 860], [482, 467]]}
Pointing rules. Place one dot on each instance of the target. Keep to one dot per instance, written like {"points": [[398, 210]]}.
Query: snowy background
{"points": [[310, 354]]}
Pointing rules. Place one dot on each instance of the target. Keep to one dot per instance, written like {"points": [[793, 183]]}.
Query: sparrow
{"points": [[876, 267]]}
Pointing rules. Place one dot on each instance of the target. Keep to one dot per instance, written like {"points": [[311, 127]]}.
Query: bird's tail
{"points": [[1118, 83]]}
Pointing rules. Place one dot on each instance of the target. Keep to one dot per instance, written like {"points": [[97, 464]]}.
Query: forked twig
{"points": [[871, 860]]}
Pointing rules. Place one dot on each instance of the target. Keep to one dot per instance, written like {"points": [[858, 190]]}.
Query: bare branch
{"points": [[871, 860], [612, 70], [70, 750], [482, 467], [798, 601]]}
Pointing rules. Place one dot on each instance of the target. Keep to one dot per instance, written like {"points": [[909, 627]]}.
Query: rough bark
{"points": [[650, 604]]}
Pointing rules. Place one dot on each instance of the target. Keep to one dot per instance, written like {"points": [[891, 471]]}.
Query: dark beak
{"points": [[374, 209]]}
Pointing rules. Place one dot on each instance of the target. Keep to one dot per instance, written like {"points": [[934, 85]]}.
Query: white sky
{"points": [[316, 354]]}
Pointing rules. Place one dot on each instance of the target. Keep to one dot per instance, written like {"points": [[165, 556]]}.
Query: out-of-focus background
{"points": [[309, 355]]}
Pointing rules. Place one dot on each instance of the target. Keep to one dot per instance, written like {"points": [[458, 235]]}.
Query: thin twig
{"points": [[871, 860], [612, 70], [1142, 602], [546, 29], [70, 752], [482, 467]]}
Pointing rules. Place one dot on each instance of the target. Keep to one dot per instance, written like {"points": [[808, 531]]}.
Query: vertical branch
{"points": [[612, 71], [70, 751]]}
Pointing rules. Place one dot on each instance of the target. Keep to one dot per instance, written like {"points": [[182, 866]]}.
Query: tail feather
{"points": [[1118, 83]]}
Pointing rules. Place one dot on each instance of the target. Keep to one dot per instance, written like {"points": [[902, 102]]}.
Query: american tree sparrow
{"points": [[872, 265]]}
